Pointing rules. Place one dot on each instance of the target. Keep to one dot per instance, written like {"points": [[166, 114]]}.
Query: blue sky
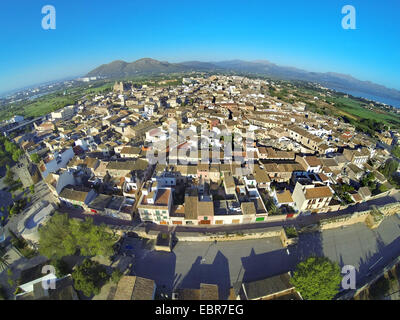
{"points": [[303, 34]]}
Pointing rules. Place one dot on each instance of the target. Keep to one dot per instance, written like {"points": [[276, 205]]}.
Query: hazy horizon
{"points": [[306, 36]]}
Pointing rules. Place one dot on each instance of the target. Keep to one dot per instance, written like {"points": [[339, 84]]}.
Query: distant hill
{"points": [[121, 69]]}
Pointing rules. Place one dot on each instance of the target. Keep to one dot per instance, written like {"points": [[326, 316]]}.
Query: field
{"points": [[357, 111], [361, 111], [53, 101]]}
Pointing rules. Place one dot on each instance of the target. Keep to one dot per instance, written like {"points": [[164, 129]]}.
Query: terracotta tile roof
{"points": [[312, 161], [191, 207], [75, 195], [134, 288], [205, 208], [318, 192], [162, 197], [284, 197]]}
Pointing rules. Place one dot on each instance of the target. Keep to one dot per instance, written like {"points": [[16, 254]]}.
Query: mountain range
{"points": [[120, 69]]}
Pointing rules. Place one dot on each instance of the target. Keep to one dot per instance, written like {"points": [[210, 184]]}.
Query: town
{"points": [[208, 152]]}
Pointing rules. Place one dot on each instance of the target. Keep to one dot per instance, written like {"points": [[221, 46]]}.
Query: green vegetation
{"points": [[62, 236], [396, 151], [270, 204], [291, 232], [373, 117], [9, 179], [356, 111], [343, 192], [389, 168], [376, 215], [18, 207], [367, 179], [62, 268], [89, 277], [116, 276], [37, 107], [9, 151], [35, 158], [317, 278], [54, 101]]}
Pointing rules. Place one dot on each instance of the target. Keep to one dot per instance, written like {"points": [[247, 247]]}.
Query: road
{"points": [[228, 263]]}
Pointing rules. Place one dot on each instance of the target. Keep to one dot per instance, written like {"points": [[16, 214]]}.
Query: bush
{"points": [[383, 188], [28, 252], [116, 276], [291, 232]]}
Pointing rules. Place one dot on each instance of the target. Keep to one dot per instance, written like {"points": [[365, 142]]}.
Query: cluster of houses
{"points": [[94, 155]]}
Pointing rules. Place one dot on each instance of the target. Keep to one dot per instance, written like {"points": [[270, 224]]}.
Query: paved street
{"points": [[227, 263]]}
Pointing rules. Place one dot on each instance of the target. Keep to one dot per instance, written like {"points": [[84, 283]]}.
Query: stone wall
{"points": [[232, 236], [362, 216]]}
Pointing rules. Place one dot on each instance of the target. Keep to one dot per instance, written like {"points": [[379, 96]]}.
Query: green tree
{"points": [[396, 151], [367, 179], [62, 236], [62, 268], [89, 277], [55, 238], [91, 239], [32, 189], [9, 179], [35, 158], [317, 278], [389, 167]]}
